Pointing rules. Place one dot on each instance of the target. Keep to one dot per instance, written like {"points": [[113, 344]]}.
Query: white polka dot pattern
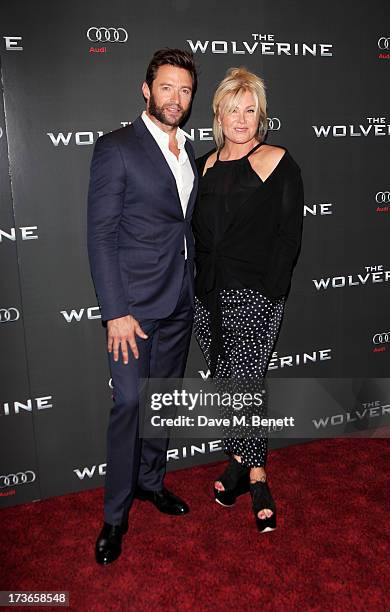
{"points": [[250, 326]]}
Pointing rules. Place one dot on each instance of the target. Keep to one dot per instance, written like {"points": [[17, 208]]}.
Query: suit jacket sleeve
{"points": [[105, 203], [288, 238]]}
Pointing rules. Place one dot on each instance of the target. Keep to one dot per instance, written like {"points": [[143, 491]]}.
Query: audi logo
{"points": [[381, 338], [274, 123], [8, 315], [107, 35], [12, 480], [382, 197], [383, 43]]}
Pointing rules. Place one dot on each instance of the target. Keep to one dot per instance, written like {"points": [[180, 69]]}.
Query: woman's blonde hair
{"points": [[228, 94]]}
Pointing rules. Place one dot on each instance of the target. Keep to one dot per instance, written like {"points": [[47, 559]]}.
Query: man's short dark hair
{"points": [[172, 57]]}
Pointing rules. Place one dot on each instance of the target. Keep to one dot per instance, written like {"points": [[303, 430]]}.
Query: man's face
{"points": [[169, 98]]}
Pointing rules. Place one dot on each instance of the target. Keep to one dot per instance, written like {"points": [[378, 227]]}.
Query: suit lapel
{"points": [[161, 166], [154, 153], [192, 198]]}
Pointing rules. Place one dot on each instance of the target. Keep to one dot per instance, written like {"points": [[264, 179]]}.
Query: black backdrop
{"points": [[326, 68]]}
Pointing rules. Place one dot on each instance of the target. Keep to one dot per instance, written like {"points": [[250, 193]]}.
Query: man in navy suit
{"points": [[142, 192]]}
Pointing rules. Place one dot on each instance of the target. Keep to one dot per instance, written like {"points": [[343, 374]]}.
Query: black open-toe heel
{"points": [[261, 499], [235, 480]]}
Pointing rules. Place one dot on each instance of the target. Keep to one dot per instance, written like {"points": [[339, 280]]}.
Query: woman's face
{"points": [[240, 125]]}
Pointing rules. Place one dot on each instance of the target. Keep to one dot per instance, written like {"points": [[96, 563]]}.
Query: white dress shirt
{"points": [[181, 167]]}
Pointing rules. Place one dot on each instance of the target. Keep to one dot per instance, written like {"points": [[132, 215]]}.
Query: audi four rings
{"points": [[382, 197], [383, 43], [6, 315], [11, 480], [274, 123], [381, 338], [107, 35]]}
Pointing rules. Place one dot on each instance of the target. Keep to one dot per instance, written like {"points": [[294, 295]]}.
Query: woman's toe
{"points": [[219, 486], [266, 513]]}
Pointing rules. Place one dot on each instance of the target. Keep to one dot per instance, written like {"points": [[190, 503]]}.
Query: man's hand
{"points": [[121, 332]]}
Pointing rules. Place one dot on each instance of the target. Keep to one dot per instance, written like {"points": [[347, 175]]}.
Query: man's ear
{"points": [[145, 91]]}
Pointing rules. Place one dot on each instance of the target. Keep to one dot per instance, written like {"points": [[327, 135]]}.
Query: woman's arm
{"points": [[288, 238]]}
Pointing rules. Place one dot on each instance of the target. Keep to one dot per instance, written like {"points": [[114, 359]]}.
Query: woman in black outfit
{"points": [[247, 226]]}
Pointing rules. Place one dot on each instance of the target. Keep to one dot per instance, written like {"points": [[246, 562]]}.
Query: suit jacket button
{"points": [[182, 252]]}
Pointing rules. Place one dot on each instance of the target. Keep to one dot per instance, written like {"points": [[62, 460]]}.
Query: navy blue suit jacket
{"points": [[136, 226]]}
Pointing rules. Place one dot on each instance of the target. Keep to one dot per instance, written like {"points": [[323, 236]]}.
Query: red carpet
{"points": [[329, 552]]}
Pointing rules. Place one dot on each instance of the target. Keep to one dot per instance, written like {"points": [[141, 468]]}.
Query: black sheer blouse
{"points": [[247, 231]]}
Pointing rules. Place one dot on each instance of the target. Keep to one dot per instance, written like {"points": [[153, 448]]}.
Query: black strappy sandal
{"points": [[261, 499], [234, 481]]}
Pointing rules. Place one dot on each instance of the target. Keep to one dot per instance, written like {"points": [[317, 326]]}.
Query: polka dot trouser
{"points": [[250, 326]]}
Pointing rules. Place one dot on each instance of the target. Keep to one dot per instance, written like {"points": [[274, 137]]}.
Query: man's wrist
{"points": [[117, 316]]}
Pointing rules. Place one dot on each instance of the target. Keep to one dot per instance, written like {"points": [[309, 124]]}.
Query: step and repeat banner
{"points": [[71, 72]]}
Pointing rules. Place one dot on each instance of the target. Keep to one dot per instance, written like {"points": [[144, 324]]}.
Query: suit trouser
{"points": [[132, 461]]}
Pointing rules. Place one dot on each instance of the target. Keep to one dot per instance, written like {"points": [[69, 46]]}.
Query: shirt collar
{"points": [[162, 136]]}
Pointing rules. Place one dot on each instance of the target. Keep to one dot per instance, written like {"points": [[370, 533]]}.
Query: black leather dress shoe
{"points": [[109, 543], [164, 500]]}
